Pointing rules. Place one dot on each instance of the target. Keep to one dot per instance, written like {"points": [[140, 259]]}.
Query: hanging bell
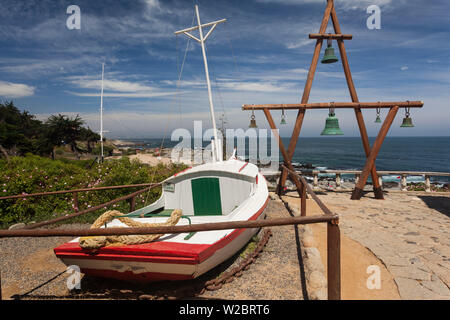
{"points": [[407, 121], [329, 56], [378, 119], [283, 120], [332, 125], [253, 121]]}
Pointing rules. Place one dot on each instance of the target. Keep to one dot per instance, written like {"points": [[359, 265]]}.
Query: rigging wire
{"points": [[177, 97]]}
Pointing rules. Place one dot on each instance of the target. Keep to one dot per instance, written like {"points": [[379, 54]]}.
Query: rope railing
{"points": [[50, 193], [92, 209], [168, 229]]}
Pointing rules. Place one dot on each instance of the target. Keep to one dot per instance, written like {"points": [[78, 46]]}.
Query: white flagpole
{"points": [[101, 113], [202, 42], [211, 106]]}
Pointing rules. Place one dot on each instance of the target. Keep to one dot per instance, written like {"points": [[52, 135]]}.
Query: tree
{"points": [[20, 132], [89, 136], [62, 130]]}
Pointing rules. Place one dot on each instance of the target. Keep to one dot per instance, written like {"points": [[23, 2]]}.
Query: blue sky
{"points": [[260, 55]]}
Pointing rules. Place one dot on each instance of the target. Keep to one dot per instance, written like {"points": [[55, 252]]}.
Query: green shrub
{"points": [[33, 174]]}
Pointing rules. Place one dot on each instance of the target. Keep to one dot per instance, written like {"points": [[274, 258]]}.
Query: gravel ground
{"points": [[30, 270], [27, 263]]}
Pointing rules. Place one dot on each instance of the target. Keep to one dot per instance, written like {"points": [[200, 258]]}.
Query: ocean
{"points": [[347, 153]]}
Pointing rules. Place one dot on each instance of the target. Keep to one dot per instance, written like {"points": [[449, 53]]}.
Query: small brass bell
{"points": [[329, 56], [283, 120], [253, 121], [378, 119], [332, 125], [407, 121]]}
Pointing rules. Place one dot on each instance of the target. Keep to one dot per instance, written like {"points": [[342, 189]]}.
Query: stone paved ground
{"points": [[408, 232]]}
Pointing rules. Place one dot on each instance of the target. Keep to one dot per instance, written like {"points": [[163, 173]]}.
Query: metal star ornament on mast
{"points": [[216, 145]]}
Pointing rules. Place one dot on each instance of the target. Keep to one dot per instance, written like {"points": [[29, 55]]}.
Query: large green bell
{"points": [[332, 126], [329, 56], [407, 122]]}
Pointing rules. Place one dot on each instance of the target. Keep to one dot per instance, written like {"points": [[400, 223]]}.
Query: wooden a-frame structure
{"points": [[371, 152]]}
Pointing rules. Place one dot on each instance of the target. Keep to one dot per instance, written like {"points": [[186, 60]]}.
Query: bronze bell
{"points": [[407, 121], [283, 119], [329, 56], [378, 119], [332, 125], [253, 121]]}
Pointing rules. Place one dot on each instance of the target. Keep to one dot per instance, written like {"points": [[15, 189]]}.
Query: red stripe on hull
{"points": [[159, 252], [141, 277]]}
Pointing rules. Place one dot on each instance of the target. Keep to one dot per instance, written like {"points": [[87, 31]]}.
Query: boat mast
{"points": [[216, 145], [101, 114]]}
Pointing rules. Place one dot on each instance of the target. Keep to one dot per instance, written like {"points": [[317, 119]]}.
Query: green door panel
{"points": [[206, 196]]}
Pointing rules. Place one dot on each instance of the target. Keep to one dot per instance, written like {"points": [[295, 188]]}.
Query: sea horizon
{"points": [[426, 154]]}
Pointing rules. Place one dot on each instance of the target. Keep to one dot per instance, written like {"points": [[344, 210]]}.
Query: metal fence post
{"points": [[333, 261], [75, 201], [303, 202], [132, 203], [1, 286]]}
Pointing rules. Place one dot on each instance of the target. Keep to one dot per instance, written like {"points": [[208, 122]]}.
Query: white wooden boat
{"points": [[231, 190], [220, 191]]}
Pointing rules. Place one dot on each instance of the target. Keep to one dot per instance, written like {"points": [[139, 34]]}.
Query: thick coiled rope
{"points": [[96, 242]]}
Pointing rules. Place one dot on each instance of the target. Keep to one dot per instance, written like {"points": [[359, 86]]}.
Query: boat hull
{"points": [[158, 261]]}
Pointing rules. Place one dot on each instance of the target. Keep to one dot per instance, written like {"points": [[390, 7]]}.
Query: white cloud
{"points": [[113, 85], [127, 95], [15, 90], [404, 68], [253, 86], [298, 44], [116, 88]]}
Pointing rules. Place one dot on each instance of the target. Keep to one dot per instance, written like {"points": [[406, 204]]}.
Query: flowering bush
{"points": [[33, 174]]}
